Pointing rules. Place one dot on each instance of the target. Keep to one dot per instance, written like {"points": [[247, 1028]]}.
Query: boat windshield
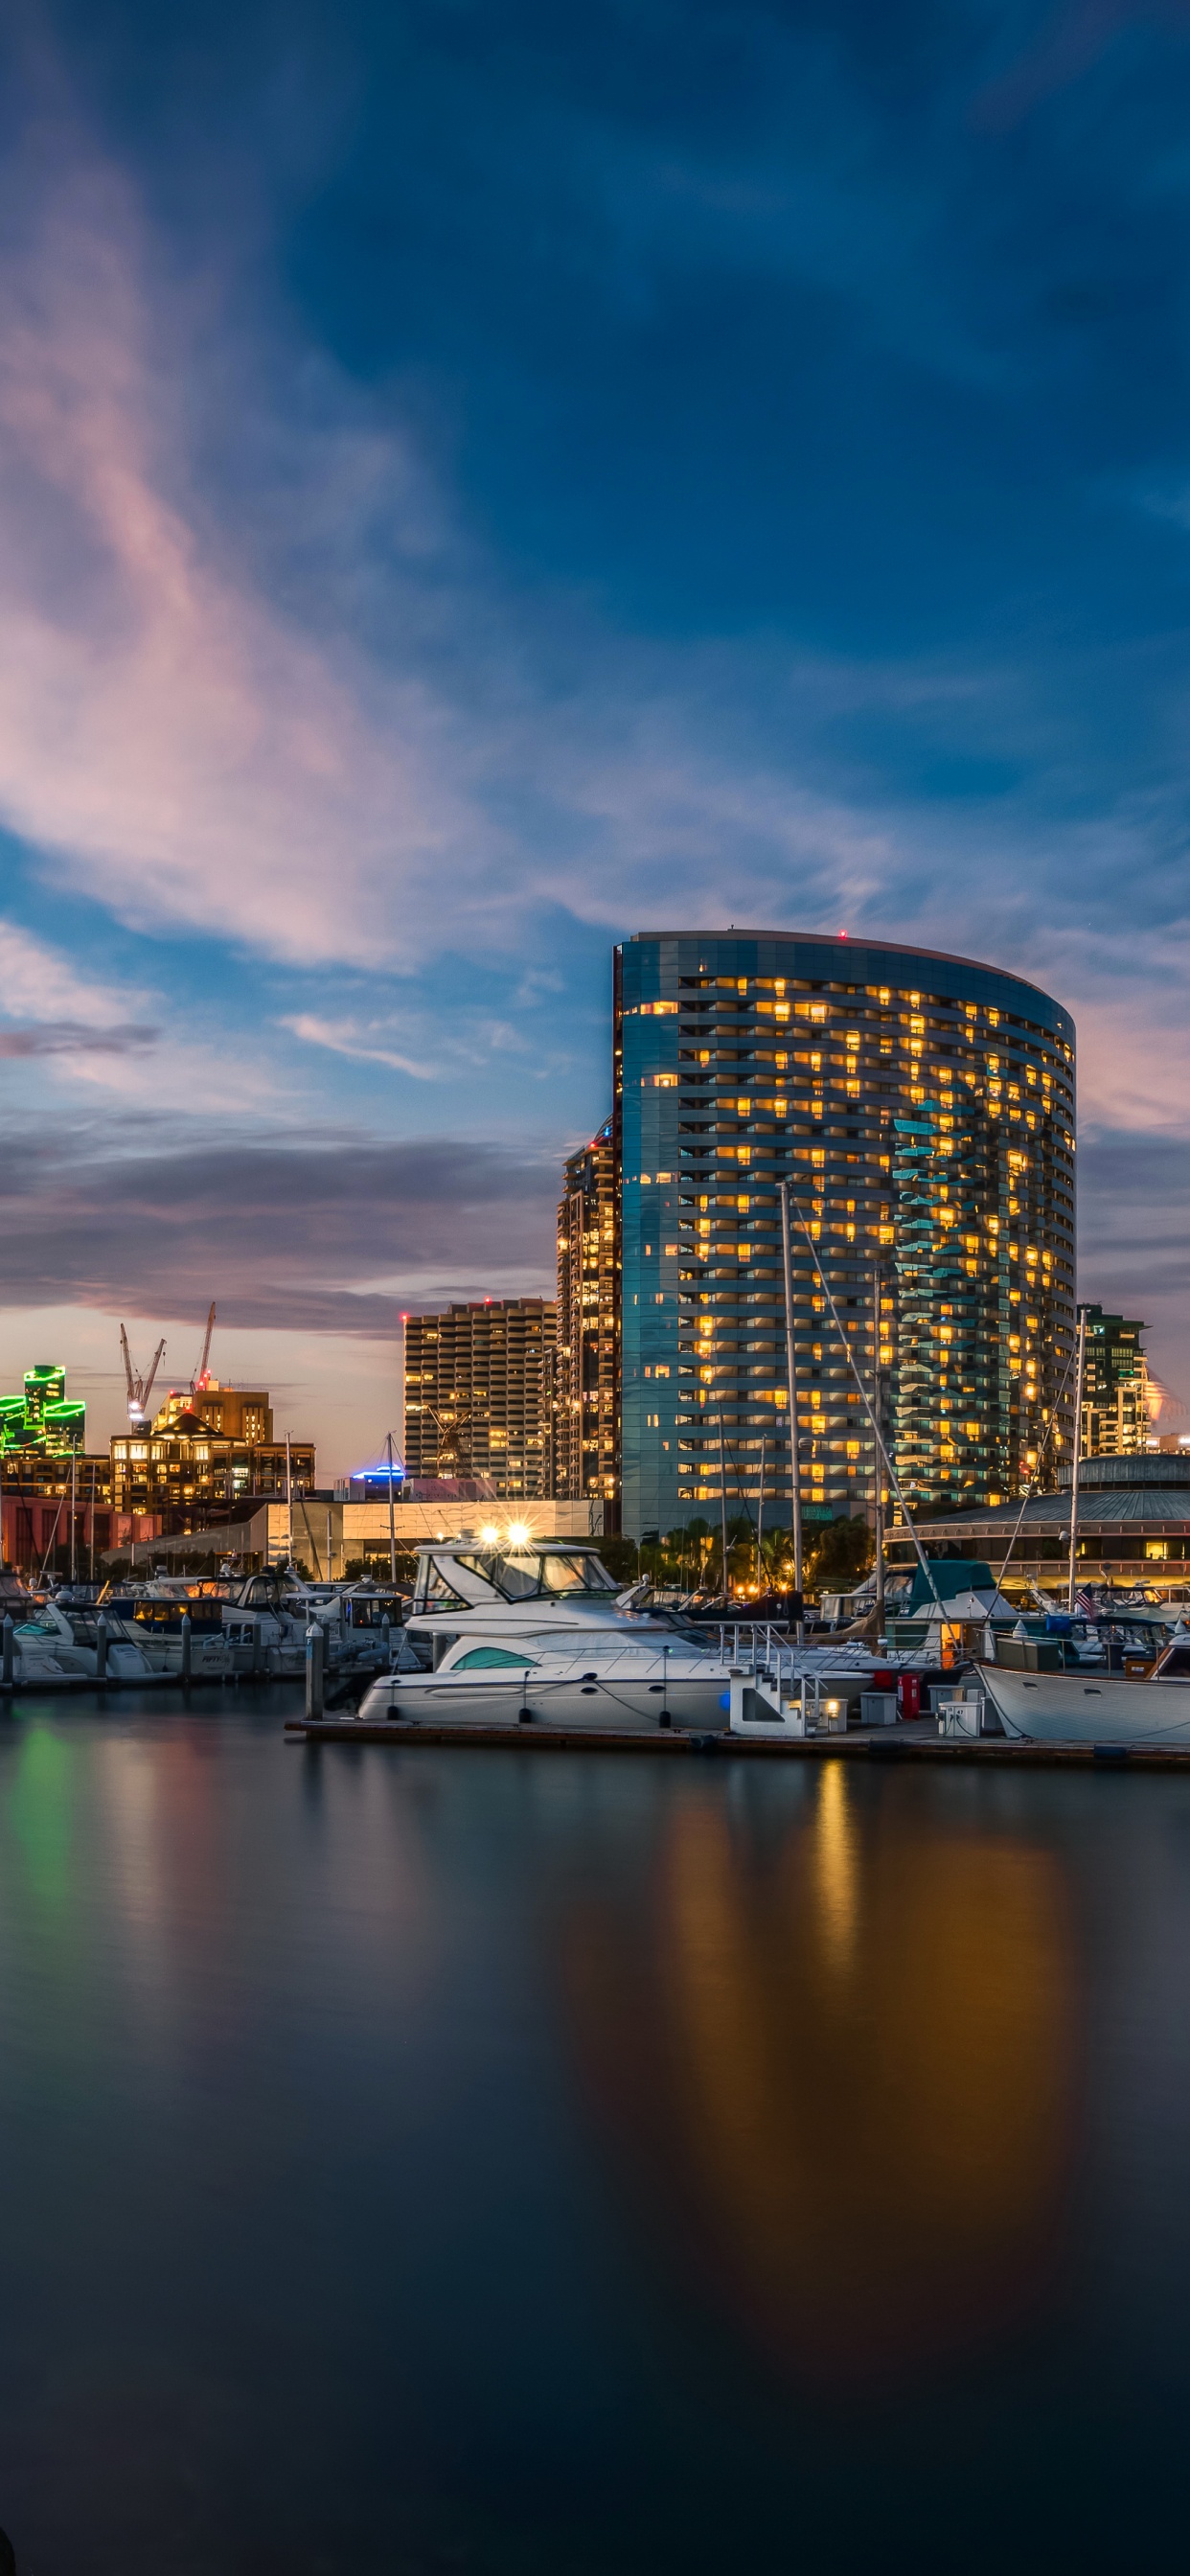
{"points": [[530, 1574]]}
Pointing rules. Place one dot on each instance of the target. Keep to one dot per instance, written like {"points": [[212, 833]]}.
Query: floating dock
{"points": [[878, 1745]]}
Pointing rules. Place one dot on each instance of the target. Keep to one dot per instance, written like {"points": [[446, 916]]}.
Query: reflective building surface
{"points": [[540, 2165], [922, 1108]]}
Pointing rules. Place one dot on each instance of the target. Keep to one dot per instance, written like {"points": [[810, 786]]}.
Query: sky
{"points": [[479, 480]]}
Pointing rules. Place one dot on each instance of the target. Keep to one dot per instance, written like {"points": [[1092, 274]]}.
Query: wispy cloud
{"points": [[347, 1038], [39, 982], [178, 745]]}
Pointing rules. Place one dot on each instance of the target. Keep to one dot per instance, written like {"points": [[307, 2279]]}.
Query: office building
{"points": [[586, 1406], [478, 1383], [922, 1107], [1115, 1387]]}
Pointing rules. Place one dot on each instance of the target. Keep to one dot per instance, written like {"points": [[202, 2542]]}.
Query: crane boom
{"points": [[148, 1385], [201, 1371], [139, 1388]]}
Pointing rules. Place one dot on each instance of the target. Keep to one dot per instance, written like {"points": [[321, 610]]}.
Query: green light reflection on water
{"points": [[40, 1807]]}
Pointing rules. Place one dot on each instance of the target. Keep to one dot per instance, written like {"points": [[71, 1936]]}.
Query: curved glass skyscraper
{"points": [[922, 1107]]}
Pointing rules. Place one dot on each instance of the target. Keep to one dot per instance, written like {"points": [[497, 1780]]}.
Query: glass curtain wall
{"points": [[922, 1107]]}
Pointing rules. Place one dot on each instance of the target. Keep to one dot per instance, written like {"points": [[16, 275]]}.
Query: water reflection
{"points": [[836, 2065]]}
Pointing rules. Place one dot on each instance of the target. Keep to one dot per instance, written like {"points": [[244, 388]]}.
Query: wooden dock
{"points": [[881, 1745]]}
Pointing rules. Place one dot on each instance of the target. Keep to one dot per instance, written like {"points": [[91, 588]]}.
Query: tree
{"points": [[839, 1556]]}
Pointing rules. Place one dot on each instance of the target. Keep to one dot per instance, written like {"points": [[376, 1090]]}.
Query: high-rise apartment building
{"points": [[478, 1384], [1115, 1387], [922, 1107], [587, 1374]]}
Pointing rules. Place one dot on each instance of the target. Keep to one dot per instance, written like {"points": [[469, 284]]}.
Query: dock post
{"points": [[257, 1646], [187, 1649], [101, 1649], [8, 1633], [386, 1642], [314, 1642]]}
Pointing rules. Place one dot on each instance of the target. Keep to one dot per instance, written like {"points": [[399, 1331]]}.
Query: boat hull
{"points": [[619, 1704], [1068, 1708]]}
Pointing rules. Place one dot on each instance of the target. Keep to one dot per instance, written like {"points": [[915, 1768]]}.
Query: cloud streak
{"points": [[68, 1037], [336, 1237]]}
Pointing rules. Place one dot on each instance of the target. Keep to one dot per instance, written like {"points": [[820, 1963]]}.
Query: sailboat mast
{"points": [[723, 1497], [1078, 1450], [878, 1462], [795, 1486]]}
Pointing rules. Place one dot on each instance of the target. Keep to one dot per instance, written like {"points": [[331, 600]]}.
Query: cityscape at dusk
{"points": [[449, 513], [594, 1317]]}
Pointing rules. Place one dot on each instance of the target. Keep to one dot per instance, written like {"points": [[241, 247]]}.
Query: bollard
{"points": [[187, 1647], [257, 1647], [386, 1642], [101, 1649], [314, 1645], [8, 1650]]}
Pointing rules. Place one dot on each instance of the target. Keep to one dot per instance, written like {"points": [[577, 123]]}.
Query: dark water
{"points": [[497, 2162]]}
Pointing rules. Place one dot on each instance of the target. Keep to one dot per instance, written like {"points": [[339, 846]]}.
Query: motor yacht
{"points": [[540, 1633]]}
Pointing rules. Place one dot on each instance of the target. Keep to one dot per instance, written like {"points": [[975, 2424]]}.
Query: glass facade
{"points": [[587, 1373], [922, 1107]]}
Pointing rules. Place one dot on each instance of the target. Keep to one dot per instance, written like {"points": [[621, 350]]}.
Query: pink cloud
{"points": [[180, 748]]}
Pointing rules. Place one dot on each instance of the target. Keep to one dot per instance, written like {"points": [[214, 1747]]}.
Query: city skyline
{"points": [[449, 515]]}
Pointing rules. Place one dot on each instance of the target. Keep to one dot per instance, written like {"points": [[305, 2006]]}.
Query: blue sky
{"points": [[476, 481]]}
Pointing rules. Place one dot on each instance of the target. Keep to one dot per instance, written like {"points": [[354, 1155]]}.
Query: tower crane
{"points": [[139, 1388]]}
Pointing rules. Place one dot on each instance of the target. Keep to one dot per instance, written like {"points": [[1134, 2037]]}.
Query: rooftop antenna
{"points": [[199, 1378], [139, 1388]]}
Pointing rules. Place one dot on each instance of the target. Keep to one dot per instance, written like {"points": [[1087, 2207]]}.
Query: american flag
{"points": [[1084, 1606]]}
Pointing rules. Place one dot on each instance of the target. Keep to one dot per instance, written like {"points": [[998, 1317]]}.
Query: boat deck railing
{"points": [[755, 1646]]}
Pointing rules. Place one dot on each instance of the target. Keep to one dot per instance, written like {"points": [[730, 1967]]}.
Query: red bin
{"points": [[909, 1694]]}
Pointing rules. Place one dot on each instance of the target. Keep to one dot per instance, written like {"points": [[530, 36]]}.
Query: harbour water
{"points": [[571, 2165]]}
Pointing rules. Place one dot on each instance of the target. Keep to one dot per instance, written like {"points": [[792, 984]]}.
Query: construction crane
{"points": [[453, 1448], [199, 1378], [139, 1388]]}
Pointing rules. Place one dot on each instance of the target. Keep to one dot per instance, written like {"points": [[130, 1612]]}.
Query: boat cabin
{"points": [[464, 1574]]}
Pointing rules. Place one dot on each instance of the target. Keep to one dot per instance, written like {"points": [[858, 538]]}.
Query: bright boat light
{"points": [[518, 1532], [489, 1534]]}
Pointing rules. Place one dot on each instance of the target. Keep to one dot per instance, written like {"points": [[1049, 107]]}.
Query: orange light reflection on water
{"points": [[836, 2066]]}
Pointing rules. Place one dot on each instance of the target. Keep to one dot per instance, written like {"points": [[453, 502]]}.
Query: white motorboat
{"points": [[146, 1621], [266, 1617], [538, 1633], [54, 1643], [1091, 1707]]}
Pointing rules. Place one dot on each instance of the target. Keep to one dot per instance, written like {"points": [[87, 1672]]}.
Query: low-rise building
{"points": [[184, 1460], [1133, 1526]]}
